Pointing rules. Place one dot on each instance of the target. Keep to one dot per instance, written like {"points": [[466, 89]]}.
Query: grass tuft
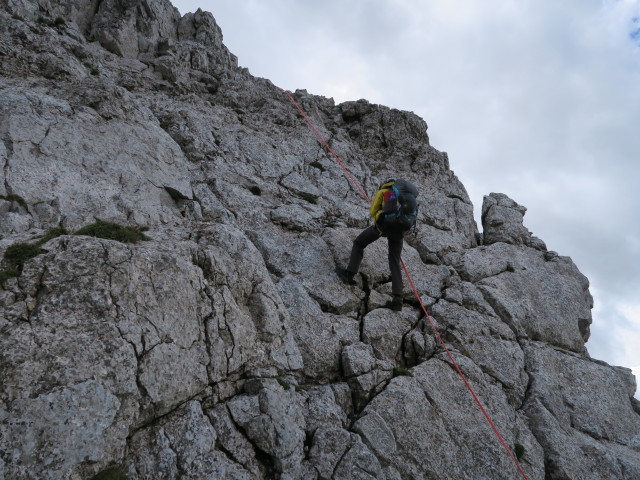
{"points": [[13, 197], [317, 165], [113, 231], [519, 451], [309, 197], [113, 473], [17, 254], [7, 274], [401, 371], [52, 233]]}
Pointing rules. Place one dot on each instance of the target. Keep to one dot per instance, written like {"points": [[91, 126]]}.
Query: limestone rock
{"points": [[329, 447], [502, 222], [45, 134], [182, 446], [273, 419], [583, 434], [358, 359], [540, 299], [320, 336], [377, 434], [67, 426], [384, 330], [226, 346]]}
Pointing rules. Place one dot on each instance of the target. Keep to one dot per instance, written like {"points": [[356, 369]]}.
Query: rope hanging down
{"points": [[415, 291]]}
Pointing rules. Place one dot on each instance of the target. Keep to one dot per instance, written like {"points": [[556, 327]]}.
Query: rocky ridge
{"points": [[225, 346]]}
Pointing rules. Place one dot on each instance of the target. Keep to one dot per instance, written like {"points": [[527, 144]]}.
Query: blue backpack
{"points": [[400, 208]]}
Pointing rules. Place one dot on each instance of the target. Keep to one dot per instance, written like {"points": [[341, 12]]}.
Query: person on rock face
{"points": [[393, 211]]}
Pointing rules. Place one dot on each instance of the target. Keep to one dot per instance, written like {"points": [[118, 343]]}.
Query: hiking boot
{"points": [[395, 304], [346, 276]]}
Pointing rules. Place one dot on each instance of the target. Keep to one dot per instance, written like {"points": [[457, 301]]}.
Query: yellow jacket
{"points": [[376, 205]]}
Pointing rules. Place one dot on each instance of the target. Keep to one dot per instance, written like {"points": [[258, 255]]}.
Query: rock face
{"points": [[226, 346]]}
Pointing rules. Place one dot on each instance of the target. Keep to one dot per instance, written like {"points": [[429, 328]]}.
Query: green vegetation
{"points": [[7, 274], [92, 69], [17, 254], [401, 371], [58, 22], [287, 385], [317, 165], [113, 231], [15, 257], [519, 451], [113, 473], [283, 383], [52, 233], [13, 197], [309, 197]]}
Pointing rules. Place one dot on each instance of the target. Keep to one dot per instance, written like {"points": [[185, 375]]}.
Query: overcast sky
{"points": [[536, 99]]}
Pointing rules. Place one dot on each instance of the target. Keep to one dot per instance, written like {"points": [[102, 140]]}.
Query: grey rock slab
{"points": [[328, 447], [66, 426], [384, 329], [163, 364], [439, 430], [247, 307], [232, 439], [293, 217], [540, 299], [570, 453], [322, 409], [364, 387], [359, 463], [126, 316], [357, 359], [129, 30], [488, 341], [319, 336], [502, 222], [182, 445], [376, 434], [563, 382], [113, 170], [274, 421], [309, 259]]}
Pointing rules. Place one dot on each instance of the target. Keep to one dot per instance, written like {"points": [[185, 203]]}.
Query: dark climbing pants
{"points": [[370, 235]]}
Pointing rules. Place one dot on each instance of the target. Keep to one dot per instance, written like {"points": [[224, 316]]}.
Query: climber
{"points": [[393, 211]]}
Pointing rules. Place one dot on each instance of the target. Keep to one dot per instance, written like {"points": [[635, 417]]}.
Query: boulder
{"points": [[502, 222]]}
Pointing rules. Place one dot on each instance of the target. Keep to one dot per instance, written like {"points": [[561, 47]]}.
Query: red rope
{"points": [[327, 145], [464, 379], [415, 291]]}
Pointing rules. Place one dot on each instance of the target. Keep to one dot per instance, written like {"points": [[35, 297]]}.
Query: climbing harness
{"points": [[415, 291]]}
